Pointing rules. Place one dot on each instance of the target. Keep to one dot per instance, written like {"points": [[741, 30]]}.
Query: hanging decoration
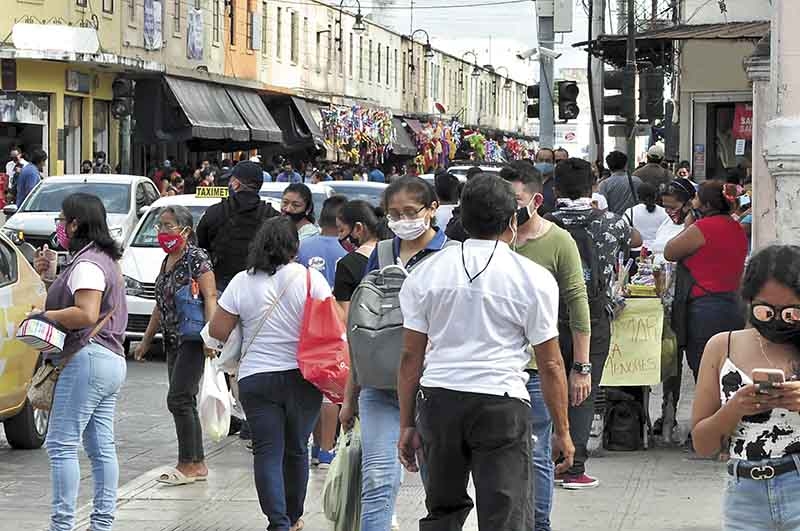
{"points": [[438, 143], [358, 134]]}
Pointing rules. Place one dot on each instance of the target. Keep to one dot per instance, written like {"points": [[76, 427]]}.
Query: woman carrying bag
{"points": [[186, 297], [87, 300], [269, 300]]}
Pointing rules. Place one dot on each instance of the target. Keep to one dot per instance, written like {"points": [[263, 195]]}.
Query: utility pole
{"points": [[630, 68], [598, 23], [125, 145], [547, 37]]}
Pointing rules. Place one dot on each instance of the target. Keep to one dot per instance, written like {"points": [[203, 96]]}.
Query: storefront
{"points": [[722, 133], [24, 121]]}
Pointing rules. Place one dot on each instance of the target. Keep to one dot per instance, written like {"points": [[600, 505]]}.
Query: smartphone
{"points": [[765, 379]]}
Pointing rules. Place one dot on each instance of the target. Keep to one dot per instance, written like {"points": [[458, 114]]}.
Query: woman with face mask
{"points": [[298, 205], [185, 267], [87, 299], [761, 423], [411, 206], [710, 252]]}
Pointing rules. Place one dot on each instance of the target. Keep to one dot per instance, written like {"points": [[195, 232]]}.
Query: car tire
{"points": [[28, 429]]}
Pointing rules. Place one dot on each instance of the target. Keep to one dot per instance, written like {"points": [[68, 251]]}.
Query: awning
{"points": [[655, 46], [209, 110], [403, 145], [414, 125], [263, 127], [305, 109]]}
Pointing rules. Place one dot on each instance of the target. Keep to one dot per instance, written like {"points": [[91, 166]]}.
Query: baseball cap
{"points": [[656, 151], [249, 174]]}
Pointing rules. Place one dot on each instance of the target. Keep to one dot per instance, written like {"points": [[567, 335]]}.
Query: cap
{"points": [[249, 174], [656, 151]]}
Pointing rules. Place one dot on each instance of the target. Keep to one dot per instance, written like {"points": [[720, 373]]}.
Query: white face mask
{"points": [[409, 229]]}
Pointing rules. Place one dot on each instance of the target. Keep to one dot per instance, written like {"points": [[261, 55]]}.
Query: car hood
{"points": [[43, 223], [142, 263]]}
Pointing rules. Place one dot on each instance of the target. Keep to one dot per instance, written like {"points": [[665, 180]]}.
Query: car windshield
{"points": [[278, 194], [147, 234], [373, 196], [48, 196]]}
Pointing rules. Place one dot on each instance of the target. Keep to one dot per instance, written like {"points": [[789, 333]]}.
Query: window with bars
{"points": [[249, 30], [232, 22], [380, 62], [294, 30], [387, 66], [215, 16], [264, 32], [396, 66], [108, 6], [176, 16], [279, 33], [350, 64], [361, 58], [369, 62]]}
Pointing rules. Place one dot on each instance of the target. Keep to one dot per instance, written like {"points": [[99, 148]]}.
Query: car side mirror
{"points": [[10, 210], [142, 211]]}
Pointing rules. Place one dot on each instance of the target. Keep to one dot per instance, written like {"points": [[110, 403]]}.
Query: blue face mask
{"points": [[544, 167]]}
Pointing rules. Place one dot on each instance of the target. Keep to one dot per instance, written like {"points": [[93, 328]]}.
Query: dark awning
{"points": [[403, 145], [209, 110], [304, 108], [414, 125], [261, 123]]}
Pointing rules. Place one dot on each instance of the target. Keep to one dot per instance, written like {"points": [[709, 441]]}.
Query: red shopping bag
{"points": [[322, 353]]}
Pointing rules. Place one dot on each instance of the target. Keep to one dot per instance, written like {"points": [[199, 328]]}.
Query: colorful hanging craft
{"points": [[357, 133]]}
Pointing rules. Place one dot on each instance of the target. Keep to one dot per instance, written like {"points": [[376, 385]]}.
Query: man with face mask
{"points": [[551, 247], [100, 164], [545, 164]]}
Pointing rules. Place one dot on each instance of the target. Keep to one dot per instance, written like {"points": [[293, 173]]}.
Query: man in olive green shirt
{"points": [[553, 248]]}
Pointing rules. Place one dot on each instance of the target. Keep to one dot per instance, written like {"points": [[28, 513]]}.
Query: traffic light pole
{"points": [[598, 27], [125, 145], [547, 39], [630, 67]]}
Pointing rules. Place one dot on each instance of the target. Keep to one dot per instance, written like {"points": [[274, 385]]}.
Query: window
{"points": [[329, 59], [425, 88], [380, 63], [396, 65], [361, 58], [295, 36], [214, 19], [108, 6], [249, 30], [404, 71], [264, 31], [176, 16], [318, 61], [387, 66], [369, 62], [350, 65], [232, 22], [100, 135], [278, 33]]}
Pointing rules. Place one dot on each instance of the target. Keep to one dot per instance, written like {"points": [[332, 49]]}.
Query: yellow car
{"points": [[21, 290]]}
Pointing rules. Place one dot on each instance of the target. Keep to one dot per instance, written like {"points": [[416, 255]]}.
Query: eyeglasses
{"points": [[766, 312], [409, 214], [166, 227]]}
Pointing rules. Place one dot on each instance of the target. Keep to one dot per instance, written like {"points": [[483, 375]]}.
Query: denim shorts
{"points": [[769, 505]]}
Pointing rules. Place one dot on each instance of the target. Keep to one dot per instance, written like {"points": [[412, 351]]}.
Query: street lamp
{"points": [[427, 49], [507, 83], [476, 70], [358, 26]]}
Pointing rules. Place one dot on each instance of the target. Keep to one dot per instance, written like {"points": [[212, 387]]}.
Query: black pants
{"points": [[708, 316], [580, 417], [489, 436], [185, 368]]}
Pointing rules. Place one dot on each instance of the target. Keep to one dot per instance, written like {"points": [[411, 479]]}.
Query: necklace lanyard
{"points": [[464, 262]]}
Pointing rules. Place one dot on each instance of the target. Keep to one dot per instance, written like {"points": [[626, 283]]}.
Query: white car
{"points": [[319, 193], [126, 198], [368, 191], [142, 259]]}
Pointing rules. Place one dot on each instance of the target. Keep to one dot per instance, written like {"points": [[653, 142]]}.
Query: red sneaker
{"points": [[583, 481]]}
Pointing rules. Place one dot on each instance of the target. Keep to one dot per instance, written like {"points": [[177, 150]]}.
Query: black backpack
{"points": [[231, 244], [624, 423]]}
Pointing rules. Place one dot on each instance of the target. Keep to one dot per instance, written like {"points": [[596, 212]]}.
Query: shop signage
{"points": [[743, 121], [153, 38], [55, 38], [194, 35], [78, 82], [634, 357], [16, 107], [212, 192]]}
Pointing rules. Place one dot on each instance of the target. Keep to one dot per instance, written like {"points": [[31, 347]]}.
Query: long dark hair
{"points": [[647, 195], [373, 218], [715, 194], [416, 187], [90, 214], [303, 191], [274, 245], [780, 263]]}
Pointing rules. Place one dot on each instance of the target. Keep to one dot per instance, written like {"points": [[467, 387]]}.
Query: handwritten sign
{"points": [[211, 192], [634, 357]]}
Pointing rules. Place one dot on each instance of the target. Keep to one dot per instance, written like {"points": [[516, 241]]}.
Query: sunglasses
{"points": [[765, 313]]}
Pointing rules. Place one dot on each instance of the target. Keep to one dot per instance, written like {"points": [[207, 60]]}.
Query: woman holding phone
{"points": [[758, 422]]}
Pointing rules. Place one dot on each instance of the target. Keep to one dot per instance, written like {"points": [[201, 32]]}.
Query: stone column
{"points": [[782, 140], [763, 208]]}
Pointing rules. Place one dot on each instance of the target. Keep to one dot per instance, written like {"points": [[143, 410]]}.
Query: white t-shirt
{"points": [[479, 331], [86, 275], [647, 223], [250, 296], [664, 234], [443, 215]]}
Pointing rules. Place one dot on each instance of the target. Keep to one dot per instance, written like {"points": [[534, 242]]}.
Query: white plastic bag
{"points": [[341, 493], [213, 402], [230, 351]]}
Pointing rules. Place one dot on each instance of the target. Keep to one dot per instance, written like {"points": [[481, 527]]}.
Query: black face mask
{"points": [[350, 243], [296, 217], [522, 216], [777, 331]]}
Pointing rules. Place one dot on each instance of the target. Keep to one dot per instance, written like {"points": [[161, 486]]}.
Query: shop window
{"points": [[73, 121], [729, 143], [108, 6], [100, 126], [295, 38]]}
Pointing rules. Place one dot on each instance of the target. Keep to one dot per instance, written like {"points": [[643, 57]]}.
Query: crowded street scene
{"points": [[398, 265]]}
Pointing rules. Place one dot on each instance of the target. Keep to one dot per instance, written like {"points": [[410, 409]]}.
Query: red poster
{"points": [[743, 121]]}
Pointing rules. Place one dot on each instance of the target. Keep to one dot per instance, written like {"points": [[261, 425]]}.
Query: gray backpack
{"points": [[375, 323]]}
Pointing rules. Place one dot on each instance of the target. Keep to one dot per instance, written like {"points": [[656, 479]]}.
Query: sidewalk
{"points": [[658, 489]]}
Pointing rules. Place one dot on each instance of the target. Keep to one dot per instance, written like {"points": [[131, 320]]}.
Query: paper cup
{"points": [[52, 267]]}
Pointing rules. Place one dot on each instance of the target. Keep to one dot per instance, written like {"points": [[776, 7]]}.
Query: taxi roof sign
{"points": [[212, 192]]}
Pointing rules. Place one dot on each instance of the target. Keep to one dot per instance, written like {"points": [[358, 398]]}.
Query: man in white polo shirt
{"points": [[479, 304]]}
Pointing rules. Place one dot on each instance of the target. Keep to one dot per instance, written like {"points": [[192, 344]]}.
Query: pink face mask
{"points": [[61, 235]]}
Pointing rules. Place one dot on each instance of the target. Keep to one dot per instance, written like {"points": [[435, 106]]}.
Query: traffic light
{"points": [[624, 103], [122, 97], [651, 95], [568, 100], [532, 93]]}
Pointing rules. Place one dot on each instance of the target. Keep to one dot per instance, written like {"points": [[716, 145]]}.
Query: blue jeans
{"points": [[83, 406], [282, 409], [543, 469], [379, 412], [769, 505]]}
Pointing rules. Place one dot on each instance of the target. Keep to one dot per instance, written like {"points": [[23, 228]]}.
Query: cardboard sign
{"points": [[212, 192], [634, 357]]}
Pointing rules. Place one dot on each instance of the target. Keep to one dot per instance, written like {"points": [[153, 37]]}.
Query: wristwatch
{"points": [[582, 368]]}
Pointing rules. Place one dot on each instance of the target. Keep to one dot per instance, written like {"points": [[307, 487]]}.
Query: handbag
{"points": [[42, 334], [43, 383], [191, 309], [322, 353]]}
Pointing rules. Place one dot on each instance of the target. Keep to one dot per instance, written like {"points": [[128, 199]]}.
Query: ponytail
{"points": [[647, 195]]}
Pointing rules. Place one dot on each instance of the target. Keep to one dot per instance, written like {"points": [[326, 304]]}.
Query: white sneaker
{"points": [[395, 523]]}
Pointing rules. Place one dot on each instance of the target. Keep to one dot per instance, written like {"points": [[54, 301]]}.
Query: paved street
{"points": [[660, 489]]}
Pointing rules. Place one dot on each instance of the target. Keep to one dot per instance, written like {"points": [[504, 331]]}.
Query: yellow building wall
{"points": [[49, 77], [240, 61]]}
